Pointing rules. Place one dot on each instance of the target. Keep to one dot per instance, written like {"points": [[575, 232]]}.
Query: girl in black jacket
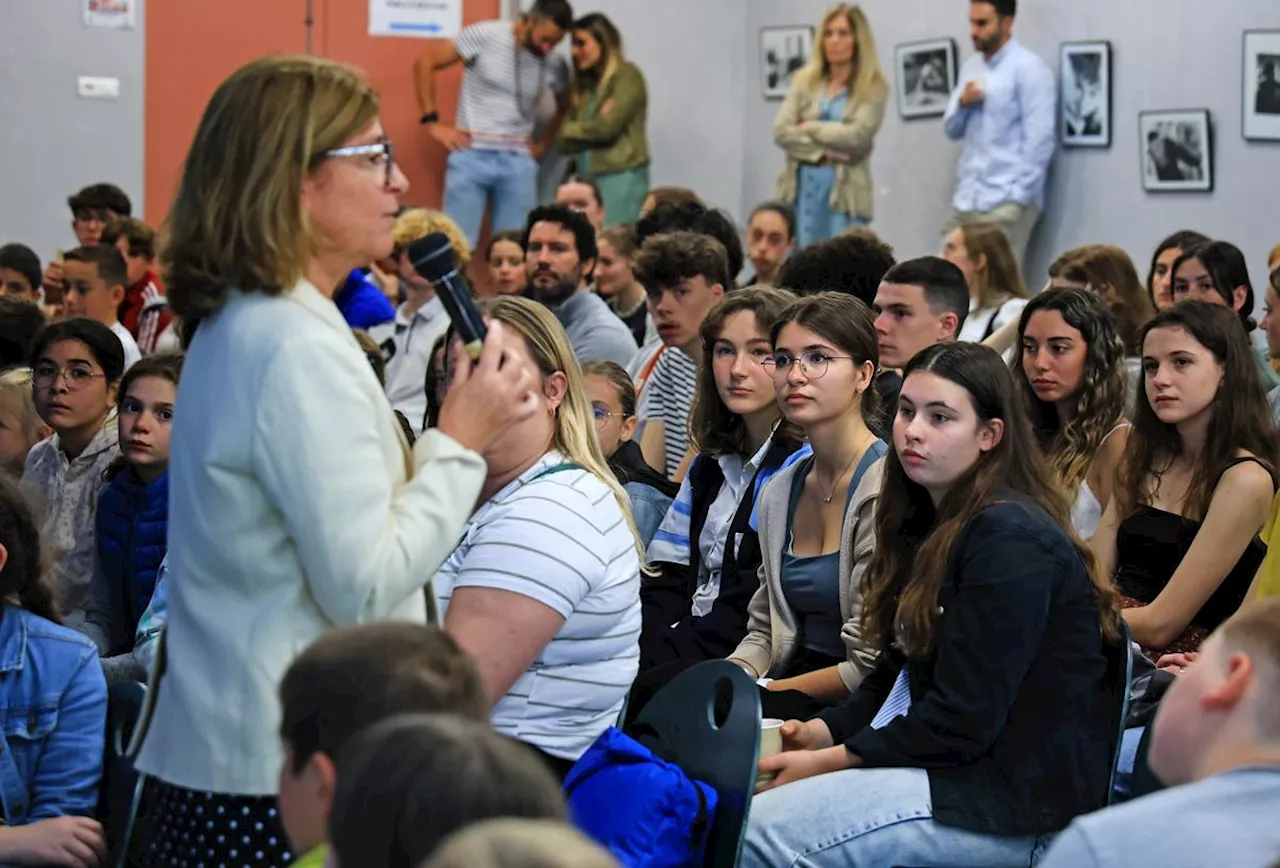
{"points": [[986, 726]]}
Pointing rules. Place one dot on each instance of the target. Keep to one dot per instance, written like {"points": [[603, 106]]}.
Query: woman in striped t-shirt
{"points": [[543, 589]]}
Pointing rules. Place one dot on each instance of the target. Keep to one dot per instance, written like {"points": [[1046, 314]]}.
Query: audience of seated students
{"points": [[512, 843], [145, 310], [132, 522], [1160, 275], [616, 282], [604, 127], [1216, 742], [54, 700], [1074, 385], [613, 402], [92, 210], [1198, 474], [20, 322], [389, 809], [853, 263], [827, 126], [919, 303], [582, 194], [560, 255], [771, 238], [21, 427], [816, 517], [93, 286], [706, 554], [505, 258], [1108, 272], [976, 570], [19, 273], [997, 293], [1216, 272], [76, 367], [684, 275], [420, 320], [294, 504], [347, 680], [543, 589]]}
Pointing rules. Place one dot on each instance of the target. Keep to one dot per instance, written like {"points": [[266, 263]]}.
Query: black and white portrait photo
{"points": [[1085, 106], [926, 77], [1177, 152], [1261, 89], [783, 50]]}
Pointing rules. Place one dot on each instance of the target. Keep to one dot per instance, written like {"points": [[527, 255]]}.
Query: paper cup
{"points": [[770, 743]]}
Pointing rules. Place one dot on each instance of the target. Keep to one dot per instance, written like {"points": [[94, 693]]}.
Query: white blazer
{"points": [[294, 506]]}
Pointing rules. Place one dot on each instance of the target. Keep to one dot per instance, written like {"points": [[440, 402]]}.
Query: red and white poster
{"points": [[119, 14]]}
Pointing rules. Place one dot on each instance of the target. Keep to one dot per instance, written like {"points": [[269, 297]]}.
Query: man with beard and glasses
{"points": [[1004, 110], [508, 69], [560, 254]]}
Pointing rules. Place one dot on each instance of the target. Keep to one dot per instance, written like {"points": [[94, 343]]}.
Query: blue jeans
{"points": [[505, 181], [873, 818]]}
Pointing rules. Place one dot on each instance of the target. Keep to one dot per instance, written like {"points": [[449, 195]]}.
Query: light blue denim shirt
{"points": [[54, 700], [1009, 137]]}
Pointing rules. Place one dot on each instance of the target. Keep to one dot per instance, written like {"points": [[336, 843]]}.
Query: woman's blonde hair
{"points": [[1000, 278], [606, 35], [575, 428], [17, 401], [418, 223], [237, 218], [508, 842], [866, 81]]}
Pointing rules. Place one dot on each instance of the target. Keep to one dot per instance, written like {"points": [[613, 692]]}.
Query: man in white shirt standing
{"points": [[421, 319], [493, 158], [1003, 109]]}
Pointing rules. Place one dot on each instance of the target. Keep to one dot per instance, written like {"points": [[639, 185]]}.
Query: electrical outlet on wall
{"points": [[97, 87]]}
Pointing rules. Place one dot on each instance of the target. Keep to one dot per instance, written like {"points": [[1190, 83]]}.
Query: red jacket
{"points": [[145, 312]]}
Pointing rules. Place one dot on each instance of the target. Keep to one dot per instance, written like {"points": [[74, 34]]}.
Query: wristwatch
{"points": [[431, 117]]}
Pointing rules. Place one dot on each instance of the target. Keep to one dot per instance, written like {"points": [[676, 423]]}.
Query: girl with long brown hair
{"points": [[986, 722], [997, 292], [1197, 478]]}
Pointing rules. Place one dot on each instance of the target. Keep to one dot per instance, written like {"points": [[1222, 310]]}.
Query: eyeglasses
{"points": [[602, 414], [813, 364], [94, 215], [45, 375], [380, 148]]}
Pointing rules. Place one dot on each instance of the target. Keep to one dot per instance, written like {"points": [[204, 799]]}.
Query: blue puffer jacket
{"points": [[133, 534]]}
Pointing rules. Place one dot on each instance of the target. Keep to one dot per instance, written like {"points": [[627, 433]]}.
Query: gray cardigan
{"points": [[772, 627]]}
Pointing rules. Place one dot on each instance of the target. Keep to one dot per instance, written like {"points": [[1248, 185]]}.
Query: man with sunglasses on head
{"points": [[493, 157], [92, 208]]}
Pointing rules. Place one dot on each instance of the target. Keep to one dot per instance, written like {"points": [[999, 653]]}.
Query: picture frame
{"points": [[1176, 150], [926, 71], [1260, 86], [1084, 106], [783, 52]]}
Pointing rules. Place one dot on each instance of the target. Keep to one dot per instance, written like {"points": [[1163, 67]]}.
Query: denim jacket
{"points": [[54, 700]]}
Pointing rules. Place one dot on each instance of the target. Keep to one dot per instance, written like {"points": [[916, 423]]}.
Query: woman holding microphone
{"points": [[296, 505]]}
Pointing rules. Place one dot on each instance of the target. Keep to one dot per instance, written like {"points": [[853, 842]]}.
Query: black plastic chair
{"points": [[1119, 677], [121, 784], [707, 721]]}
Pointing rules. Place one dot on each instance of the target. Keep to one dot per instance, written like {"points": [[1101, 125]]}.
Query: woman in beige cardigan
{"points": [[816, 517], [827, 127]]}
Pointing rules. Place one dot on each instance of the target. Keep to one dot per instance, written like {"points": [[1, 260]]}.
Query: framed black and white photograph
{"points": [[1085, 106], [926, 76], [1177, 151], [783, 50], [1262, 85]]}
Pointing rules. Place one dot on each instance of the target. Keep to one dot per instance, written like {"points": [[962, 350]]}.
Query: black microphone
{"points": [[434, 260]]}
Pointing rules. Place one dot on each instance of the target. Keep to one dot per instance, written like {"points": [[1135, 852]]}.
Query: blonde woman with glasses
{"points": [[296, 504], [827, 127]]}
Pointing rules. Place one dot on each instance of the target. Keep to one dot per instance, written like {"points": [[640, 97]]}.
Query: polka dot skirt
{"points": [[192, 829]]}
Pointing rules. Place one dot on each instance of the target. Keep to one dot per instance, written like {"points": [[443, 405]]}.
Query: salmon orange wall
{"points": [[192, 46]]}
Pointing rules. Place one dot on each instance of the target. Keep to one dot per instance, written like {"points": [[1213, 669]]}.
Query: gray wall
{"points": [[1166, 54], [51, 141]]}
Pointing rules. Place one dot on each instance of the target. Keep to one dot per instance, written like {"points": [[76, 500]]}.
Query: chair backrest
{"points": [[1119, 676], [121, 783], [707, 721]]}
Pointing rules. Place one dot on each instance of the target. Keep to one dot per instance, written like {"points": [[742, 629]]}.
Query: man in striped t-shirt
{"points": [[492, 155]]}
